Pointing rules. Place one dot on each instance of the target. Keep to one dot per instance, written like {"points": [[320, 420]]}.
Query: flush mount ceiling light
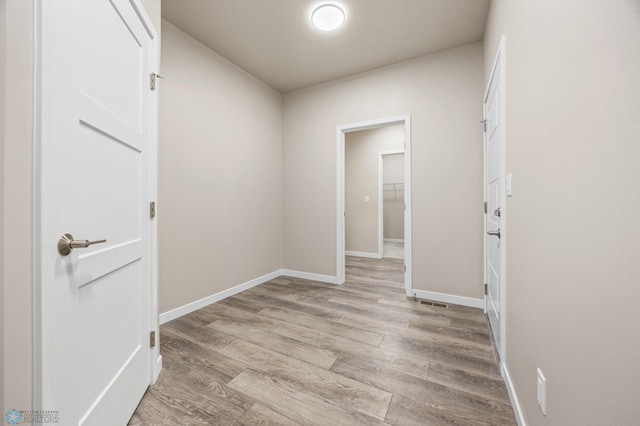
{"points": [[327, 17]]}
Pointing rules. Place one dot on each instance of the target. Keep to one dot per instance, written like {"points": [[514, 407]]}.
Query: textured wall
{"points": [[573, 228], [220, 174], [17, 225]]}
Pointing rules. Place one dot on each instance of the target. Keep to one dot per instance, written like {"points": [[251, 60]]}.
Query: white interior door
{"points": [[494, 196], [94, 182]]}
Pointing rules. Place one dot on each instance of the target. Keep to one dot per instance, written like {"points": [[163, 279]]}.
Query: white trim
{"points": [[513, 396], [499, 61], [363, 254], [381, 238], [156, 359], [340, 208], [309, 276], [157, 367], [341, 131], [394, 240], [205, 301], [38, 395], [208, 300], [449, 298]]}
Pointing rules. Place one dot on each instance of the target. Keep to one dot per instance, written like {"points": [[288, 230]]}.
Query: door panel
{"points": [[94, 183], [112, 50]]}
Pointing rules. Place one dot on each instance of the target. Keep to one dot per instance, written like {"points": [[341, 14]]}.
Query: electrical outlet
{"points": [[542, 391]]}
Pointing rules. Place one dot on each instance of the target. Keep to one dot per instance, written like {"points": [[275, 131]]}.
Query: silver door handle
{"points": [[494, 233], [66, 243]]}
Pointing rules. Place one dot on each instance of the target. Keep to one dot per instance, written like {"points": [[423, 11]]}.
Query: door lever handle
{"points": [[494, 233], [66, 243]]}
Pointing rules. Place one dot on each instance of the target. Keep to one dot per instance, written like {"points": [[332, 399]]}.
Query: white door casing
{"points": [[494, 171], [94, 179], [340, 194]]}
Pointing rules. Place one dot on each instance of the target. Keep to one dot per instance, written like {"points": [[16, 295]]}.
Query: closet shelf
{"points": [[397, 186]]}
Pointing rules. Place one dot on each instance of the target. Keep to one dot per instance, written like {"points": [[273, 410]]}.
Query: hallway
{"points": [[300, 352]]}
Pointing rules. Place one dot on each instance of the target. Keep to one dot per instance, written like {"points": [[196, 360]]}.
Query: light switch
{"points": [[508, 185], [366, 198]]}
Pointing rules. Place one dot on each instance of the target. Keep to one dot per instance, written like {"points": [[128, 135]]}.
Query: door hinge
{"points": [[486, 289], [484, 126], [485, 207], [405, 268], [152, 339], [152, 80], [152, 209]]}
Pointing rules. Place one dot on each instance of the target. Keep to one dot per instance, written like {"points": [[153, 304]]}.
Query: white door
{"points": [[94, 182], [494, 224]]}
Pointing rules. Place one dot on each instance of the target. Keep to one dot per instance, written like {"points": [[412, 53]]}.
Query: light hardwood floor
{"points": [[293, 351]]}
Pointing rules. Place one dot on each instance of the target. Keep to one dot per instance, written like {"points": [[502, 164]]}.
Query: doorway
{"points": [[391, 204], [341, 203]]}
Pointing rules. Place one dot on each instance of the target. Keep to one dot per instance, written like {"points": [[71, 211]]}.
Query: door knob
{"points": [[494, 233], [66, 243]]}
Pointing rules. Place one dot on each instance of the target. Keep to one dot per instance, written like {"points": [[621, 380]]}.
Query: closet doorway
{"points": [[360, 205], [391, 204]]}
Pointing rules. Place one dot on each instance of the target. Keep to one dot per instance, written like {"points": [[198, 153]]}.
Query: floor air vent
{"points": [[435, 304]]}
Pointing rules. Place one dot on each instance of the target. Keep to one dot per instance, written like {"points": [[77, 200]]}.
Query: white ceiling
{"points": [[274, 39]]}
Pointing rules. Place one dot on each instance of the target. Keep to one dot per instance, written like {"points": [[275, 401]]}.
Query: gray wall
{"points": [[393, 197], [573, 227], [220, 174], [3, 89], [17, 234], [361, 179], [443, 93]]}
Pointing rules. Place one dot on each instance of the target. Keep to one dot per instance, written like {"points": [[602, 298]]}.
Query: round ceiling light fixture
{"points": [[327, 17]]}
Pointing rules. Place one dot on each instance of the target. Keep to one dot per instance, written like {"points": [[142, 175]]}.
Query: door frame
{"points": [[156, 358], [498, 64], [381, 154], [341, 132]]}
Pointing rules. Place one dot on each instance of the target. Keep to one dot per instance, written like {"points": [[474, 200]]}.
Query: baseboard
{"points": [[205, 301], [394, 240], [309, 276], [511, 390], [157, 368], [363, 254], [448, 298]]}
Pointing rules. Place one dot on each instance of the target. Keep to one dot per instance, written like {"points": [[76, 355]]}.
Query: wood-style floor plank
{"points": [[349, 394], [258, 414], [299, 352]]}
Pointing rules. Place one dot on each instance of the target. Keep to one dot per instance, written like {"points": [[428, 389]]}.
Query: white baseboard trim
{"points": [[511, 390], [448, 298], [205, 301], [309, 276], [394, 240], [157, 368], [363, 254]]}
